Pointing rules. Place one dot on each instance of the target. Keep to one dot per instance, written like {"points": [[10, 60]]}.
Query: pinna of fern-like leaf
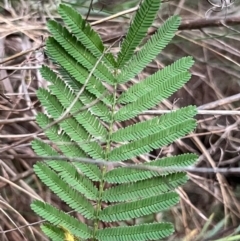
{"points": [[139, 208], [53, 232], [154, 141], [69, 174], [151, 82], [66, 171], [152, 98], [54, 107], [61, 188], [126, 174], [59, 55], [66, 97], [53, 135], [99, 109], [70, 125], [142, 20], [58, 217], [150, 50], [65, 145], [142, 232], [79, 52], [85, 34], [143, 189], [151, 126]]}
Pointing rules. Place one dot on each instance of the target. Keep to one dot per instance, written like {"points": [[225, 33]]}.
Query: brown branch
{"points": [[205, 23], [187, 25], [208, 23]]}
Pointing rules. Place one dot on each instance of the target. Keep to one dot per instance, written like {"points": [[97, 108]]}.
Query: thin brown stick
{"points": [[128, 165], [208, 23]]}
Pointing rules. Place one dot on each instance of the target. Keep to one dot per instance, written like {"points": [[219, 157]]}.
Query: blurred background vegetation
{"points": [[210, 32]]}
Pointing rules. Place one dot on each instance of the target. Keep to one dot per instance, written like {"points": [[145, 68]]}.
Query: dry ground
{"points": [[212, 39]]}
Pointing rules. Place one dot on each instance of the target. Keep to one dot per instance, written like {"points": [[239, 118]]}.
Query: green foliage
{"points": [[153, 231], [57, 217], [102, 194], [125, 175], [150, 49], [140, 24]]}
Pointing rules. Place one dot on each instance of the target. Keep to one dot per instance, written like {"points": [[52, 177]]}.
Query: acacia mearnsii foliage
{"points": [[86, 77]]}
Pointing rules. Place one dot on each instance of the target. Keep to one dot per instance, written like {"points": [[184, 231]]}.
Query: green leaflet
{"points": [[66, 97], [144, 189], [69, 174], [63, 190], [153, 141], [124, 174], [70, 126], [99, 109], [139, 26], [150, 50], [67, 171], [152, 98], [65, 144], [76, 70], [53, 232], [84, 33], [135, 209], [146, 128], [142, 232], [57, 217], [79, 52], [153, 81]]}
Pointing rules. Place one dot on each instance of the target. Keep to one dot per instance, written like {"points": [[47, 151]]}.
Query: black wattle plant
{"points": [[107, 197]]}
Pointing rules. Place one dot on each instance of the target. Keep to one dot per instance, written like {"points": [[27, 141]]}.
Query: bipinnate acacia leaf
{"points": [[86, 77]]}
